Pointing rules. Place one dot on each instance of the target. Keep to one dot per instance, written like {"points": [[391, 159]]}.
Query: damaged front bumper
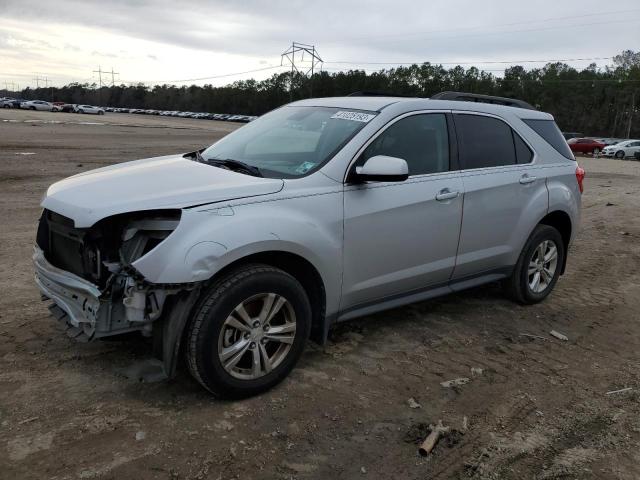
{"points": [[126, 305], [76, 299]]}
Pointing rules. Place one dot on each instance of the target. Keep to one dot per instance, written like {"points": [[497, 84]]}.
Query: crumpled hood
{"points": [[149, 184]]}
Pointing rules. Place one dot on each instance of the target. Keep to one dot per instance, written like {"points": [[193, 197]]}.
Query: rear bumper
{"points": [[79, 298]]}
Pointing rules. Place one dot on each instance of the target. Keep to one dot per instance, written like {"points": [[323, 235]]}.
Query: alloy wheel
{"points": [[542, 266], [257, 336]]}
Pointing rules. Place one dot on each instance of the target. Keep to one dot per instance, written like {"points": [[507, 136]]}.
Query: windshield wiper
{"points": [[228, 163], [235, 165]]}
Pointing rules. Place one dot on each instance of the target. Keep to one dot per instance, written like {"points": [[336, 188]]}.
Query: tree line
{"points": [[602, 102]]}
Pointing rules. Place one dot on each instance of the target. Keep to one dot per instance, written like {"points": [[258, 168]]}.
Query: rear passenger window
{"points": [[523, 152], [550, 132], [484, 142], [421, 140]]}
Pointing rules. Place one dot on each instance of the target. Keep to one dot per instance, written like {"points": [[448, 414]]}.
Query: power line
{"points": [[528, 22], [212, 77], [484, 62]]}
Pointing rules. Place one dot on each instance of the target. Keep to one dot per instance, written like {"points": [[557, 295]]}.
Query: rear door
{"points": [[402, 237], [505, 194]]}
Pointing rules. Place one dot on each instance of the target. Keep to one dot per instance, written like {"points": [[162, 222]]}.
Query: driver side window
{"points": [[421, 140]]}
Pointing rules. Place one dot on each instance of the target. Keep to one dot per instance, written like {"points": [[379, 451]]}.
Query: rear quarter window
{"points": [[550, 132]]}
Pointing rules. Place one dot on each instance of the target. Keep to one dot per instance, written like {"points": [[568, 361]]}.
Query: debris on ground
{"points": [[622, 390], [413, 404], [416, 433], [476, 371], [140, 435], [529, 335], [433, 437], [363, 470], [558, 335], [456, 382]]}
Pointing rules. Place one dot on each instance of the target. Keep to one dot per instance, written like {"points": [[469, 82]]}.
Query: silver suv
{"points": [[318, 212]]}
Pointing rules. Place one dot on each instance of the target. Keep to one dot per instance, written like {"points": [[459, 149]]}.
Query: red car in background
{"points": [[585, 145]]}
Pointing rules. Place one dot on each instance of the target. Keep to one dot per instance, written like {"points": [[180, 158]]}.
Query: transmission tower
{"points": [[289, 56], [99, 72], [113, 76]]}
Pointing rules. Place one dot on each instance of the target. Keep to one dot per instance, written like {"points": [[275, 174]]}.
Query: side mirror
{"points": [[382, 168]]}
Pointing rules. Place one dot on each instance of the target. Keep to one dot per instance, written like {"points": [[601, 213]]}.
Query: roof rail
{"points": [[476, 97], [373, 93]]}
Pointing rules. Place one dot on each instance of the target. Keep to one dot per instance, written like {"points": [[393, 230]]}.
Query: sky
{"points": [[220, 41]]}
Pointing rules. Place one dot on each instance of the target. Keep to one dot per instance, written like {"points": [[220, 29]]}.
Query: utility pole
{"points": [[112, 76], [632, 108], [37, 80], [290, 56], [99, 72]]}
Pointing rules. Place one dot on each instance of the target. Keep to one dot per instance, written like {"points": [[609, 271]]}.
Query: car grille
{"points": [[64, 245]]}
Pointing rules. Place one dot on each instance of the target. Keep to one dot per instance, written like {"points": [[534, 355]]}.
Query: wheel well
{"points": [[562, 222], [303, 271]]}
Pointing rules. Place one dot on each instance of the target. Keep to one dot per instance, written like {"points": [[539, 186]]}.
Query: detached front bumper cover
{"points": [[77, 297]]}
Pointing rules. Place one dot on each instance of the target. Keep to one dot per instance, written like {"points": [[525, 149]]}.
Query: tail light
{"points": [[580, 177]]}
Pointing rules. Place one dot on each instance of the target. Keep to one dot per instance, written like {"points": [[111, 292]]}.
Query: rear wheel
{"points": [[538, 267], [248, 331]]}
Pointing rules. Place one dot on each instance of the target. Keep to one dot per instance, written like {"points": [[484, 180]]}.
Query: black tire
{"points": [[33, 108], [517, 286], [216, 304], [620, 154]]}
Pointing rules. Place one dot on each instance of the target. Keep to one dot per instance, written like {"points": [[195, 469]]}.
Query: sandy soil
{"points": [[536, 408]]}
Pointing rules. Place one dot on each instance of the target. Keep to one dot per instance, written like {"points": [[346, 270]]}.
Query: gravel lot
{"points": [[536, 408]]}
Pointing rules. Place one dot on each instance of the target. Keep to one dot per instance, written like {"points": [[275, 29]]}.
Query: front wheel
{"points": [[538, 267], [620, 154], [248, 331]]}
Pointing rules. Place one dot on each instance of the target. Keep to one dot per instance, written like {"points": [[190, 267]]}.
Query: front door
{"points": [[402, 237]]}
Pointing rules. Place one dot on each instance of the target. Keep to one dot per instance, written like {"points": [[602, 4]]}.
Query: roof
{"points": [[377, 104]]}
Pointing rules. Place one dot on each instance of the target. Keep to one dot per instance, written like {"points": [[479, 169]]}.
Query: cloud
{"points": [[166, 35]]}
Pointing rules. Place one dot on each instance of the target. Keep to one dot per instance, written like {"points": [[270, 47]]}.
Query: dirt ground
{"points": [[535, 408]]}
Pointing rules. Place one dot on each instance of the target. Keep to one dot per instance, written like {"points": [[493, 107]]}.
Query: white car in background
{"points": [[37, 105], [621, 150], [89, 109]]}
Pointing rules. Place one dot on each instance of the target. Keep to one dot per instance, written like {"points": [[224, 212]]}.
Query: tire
{"points": [[100, 112], [620, 154], [33, 108], [519, 285], [209, 333]]}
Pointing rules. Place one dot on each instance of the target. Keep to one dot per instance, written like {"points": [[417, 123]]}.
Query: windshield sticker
{"points": [[305, 167], [354, 116]]}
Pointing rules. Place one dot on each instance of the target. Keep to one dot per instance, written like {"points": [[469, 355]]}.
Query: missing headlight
{"points": [[141, 236]]}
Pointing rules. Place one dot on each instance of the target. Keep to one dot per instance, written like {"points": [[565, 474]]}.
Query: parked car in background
{"points": [[569, 135], [622, 150], [585, 145], [318, 212], [40, 105], [89, 109]]}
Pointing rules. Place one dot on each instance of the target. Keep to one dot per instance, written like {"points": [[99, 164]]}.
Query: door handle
{"points": [[446, 194], [526, 178]]}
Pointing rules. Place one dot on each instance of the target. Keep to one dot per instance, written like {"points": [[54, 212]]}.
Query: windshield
{"points": [[291, 141]]}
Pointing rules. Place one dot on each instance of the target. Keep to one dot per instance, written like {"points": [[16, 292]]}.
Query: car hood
{"points": [[150, 184]]}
